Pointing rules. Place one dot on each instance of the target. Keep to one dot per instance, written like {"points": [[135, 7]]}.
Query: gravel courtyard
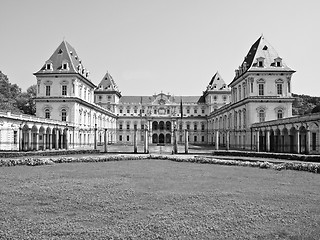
{"points": [[157, 199]]}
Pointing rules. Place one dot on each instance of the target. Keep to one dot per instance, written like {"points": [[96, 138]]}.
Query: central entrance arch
{"points": [[161, 138]]}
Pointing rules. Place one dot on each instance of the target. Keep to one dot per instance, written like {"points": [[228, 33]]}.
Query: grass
{"points": [[157, 199]]}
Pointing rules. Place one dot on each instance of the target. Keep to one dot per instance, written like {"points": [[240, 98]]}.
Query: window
{"points": [[224, 98], [279, 114], [142, 126], [142, 111], [128, 138], [279, 88], [244, 91], [135, 126], [63, 115], [135, 110], [188, 111], [168, 111], [47, 113], [214, 98], [244, 118], [202, 127], [195, 111], [128, 126], [261, 89], [195, 138], [260, 63], [202, 111], [289, 89], [65, 66], [155, 111], [48, 88], [314, 141], [128, 110], [202, 138], [262, 115], [180, 126], [120, 110], [188, 126], [64, 90], [120, 126], [195, 127], [100, 98], [48, 66], [15, 137]]}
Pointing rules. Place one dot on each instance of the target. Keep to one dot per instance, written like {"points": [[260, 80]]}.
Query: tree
{"points": [[25, 101], [316, 109], [8, 94]]}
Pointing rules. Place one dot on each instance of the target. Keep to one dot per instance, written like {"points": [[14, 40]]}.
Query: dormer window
{"points": [[278, 62], [48, 66], [260, 62], [65, 66]]}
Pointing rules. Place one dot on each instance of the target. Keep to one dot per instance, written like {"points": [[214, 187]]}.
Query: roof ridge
{"points": [[68, 53]]}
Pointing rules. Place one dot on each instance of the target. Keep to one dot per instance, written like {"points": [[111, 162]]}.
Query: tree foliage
{"points": [[304, 104], [15, 101]]}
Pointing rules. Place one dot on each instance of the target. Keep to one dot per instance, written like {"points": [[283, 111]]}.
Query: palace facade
{"points": [[244, 114]]}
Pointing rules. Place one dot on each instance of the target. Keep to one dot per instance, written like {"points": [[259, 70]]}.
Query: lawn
{"points": [[157, 199]]}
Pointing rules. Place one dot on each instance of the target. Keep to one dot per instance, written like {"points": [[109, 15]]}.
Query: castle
{"points": [[253, 112]]}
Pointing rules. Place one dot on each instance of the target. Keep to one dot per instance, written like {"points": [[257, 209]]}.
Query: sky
{"points": [[149, 46]]}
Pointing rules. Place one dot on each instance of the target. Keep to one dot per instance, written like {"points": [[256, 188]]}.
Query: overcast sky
{"points": [[150, 46]]}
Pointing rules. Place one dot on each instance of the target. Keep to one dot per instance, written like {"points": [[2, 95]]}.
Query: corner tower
{"points": [[217, 93], [107, 94]]}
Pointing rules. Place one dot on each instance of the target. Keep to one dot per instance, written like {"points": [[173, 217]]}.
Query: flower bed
{"points": [[309, 167], [47, 153], [287, 156]]}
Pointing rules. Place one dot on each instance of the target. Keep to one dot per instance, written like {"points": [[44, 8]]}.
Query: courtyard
{"points": [[157, 199]]}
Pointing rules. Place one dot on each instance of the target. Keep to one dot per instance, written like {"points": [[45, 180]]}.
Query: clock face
{"points": [[162, 101]]}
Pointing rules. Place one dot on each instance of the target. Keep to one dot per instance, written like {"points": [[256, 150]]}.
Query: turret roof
{"points": [[261, 49], [217, 83], [108, 84]]}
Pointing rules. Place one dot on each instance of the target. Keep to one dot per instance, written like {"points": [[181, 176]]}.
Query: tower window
{"points": [[279, 114], [261, 89], [47, 113], [65, 66], [262, 115], [279, 89], [64, 90], [63, 115], [48, 88]]}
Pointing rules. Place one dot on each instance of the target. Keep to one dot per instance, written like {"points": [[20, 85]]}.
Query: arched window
{"points": [[280, 114], [262, 115], [63, 115], [47, 113]]}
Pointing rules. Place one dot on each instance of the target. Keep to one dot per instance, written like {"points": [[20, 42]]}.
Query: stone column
{"points": [[50, 141], [258, 140], [175, 142], [57, 139], [44, 141], [135, 142], [186, 141], [66, 139], [297, 141], [95, 137], [308, 141], [268, 140], [228, 140], [29, 140], [105, 140], [20, 139], [146, 147], [36, 145], [217, 140], [150, 131]]}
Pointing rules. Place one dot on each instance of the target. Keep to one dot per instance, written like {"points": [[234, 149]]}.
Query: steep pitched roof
{"points": [[64, 53], [217, 83], [261, 49], [108, 84]]}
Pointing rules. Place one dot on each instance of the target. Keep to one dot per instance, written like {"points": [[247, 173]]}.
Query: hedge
{"points": [[47, 153]]}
